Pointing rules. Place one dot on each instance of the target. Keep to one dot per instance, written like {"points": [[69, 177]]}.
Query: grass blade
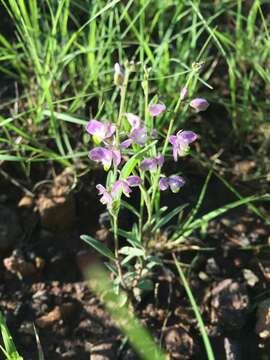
{"points": [[196, 310]]}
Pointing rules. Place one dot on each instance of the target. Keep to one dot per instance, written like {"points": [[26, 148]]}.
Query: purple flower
{"points": [[139, 136], [133, 180], [183, 93], [156, 109], [106, 198], [126, 144], [105, 156], [199, 104], [181, 141], [119, 74], [151, 164], [175, 182], [101, 131], [134, 121], [124, 185]]}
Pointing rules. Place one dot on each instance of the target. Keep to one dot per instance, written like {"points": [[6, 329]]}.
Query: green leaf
{"points": [[64, 117], [145, 284], [98, 246], [131, 251], [130, 208], [164, 220], [130, 237]]}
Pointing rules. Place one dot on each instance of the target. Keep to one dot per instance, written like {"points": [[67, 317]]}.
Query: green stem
{"points": [[171, 125]]}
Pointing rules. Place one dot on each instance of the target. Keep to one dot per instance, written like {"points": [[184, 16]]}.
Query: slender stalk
{"points": [[116, 250], [123, 91]]}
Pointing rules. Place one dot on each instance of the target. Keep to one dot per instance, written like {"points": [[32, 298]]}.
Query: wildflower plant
{"points": [[133, 156]]}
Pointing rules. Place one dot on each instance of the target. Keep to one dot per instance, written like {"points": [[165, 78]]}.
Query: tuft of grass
{"points": [[9, 350]]}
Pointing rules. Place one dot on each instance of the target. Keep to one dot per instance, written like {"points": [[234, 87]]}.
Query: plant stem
{"points": [[177, 106]]}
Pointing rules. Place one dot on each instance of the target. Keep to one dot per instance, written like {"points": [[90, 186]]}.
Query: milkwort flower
{"points": [[138, 133], [125, 185], [106, 156], [175, 182], [106, 198], [156, 109], [99, 130], [199, 104], [134, 120], [180, 142], [151, 164]]}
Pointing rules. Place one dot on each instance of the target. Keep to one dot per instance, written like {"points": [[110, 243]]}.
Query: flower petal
{"points": [[126, 144], [121, 185], [134, 180], [148, 164], [183, 93], [156, 109], [163, 184], [186, 137], [116, 155], [95, 127], [175, 182], [173, 139], [134, 120], [160, 160], [102, 155], [199, 104], [139, 136], [106, 198], [110, 129]]}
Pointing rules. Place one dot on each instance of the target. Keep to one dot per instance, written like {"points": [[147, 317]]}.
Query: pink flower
{"points": [[134, 121], [105, 156], [124, 185], [156, 109], [139, 136], [106, 198], [101, 131], [175, 182], [199, 104], [151, 164], [181, 141]]}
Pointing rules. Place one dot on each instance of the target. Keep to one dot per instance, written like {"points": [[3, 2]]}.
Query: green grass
{"points": [[9, 349]]}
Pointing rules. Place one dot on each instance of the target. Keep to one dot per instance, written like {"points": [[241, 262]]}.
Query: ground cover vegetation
{"points": [[134, 172]]}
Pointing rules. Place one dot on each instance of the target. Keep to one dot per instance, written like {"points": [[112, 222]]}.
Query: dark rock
{"points": [[230, 304], [179, 343], [10, 229]]}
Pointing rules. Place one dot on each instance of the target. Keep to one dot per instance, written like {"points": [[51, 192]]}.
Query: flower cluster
{"points": [[119, 187], [111, 142]]}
